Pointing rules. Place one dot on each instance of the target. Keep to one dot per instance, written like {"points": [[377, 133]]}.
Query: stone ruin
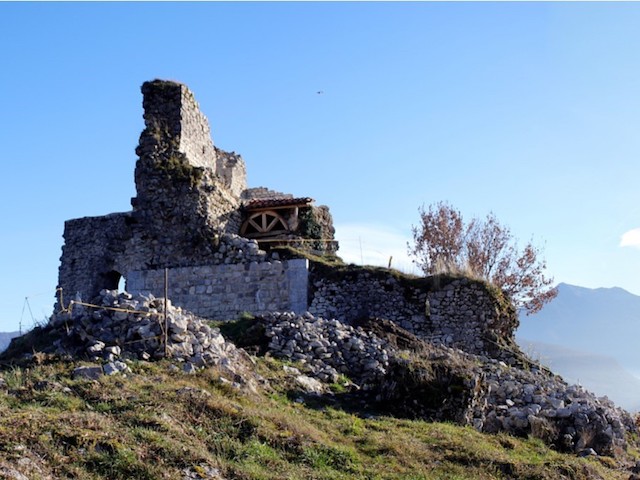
{"points": [[197, 227], [191, 207], [195, 223]]}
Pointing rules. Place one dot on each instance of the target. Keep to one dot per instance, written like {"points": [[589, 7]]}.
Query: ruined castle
{"points": [[191, 207], [199, 234], [194, 218]]}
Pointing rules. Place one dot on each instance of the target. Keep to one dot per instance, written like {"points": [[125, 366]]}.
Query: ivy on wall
{"points": [[309, 227]]}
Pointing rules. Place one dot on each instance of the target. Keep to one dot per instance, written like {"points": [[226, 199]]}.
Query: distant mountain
{"points": [[5, 339], [589, 336], [600, 374], [604, 321]]}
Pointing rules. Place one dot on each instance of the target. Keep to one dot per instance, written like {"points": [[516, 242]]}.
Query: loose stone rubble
{"points": [[444, 383], [534, 401], [328, 347], [492, 396], [124, 326]]}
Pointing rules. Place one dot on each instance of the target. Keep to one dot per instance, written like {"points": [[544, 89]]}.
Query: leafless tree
{"points": [[445, 243]]}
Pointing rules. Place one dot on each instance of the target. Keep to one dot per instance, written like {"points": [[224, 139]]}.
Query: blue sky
{"points": [[529, 110]]}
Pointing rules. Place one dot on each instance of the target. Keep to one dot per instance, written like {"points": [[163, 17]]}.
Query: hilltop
{"points": [[154, 420], [243, 347]]}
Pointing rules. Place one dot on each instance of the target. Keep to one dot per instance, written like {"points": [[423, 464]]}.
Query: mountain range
{"points": [[5, 339], [589, 336]]}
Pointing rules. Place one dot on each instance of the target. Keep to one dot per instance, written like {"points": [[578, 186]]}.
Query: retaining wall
{"points": [[223, 292], [461, 313]]}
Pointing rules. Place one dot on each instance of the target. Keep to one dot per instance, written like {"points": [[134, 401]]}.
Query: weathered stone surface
{"points": [[140, 335], [187, 212], [463, 313], [88, 372]]}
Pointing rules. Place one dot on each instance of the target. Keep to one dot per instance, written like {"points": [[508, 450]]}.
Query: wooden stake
{"points": [[166, 321]]}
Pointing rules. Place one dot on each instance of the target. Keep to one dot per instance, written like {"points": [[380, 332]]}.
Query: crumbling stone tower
{"points": [[191, 204], [188, 191]]}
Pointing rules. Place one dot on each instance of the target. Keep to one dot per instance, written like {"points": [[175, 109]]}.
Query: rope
{"points": [[283, 240], [104, 307]]}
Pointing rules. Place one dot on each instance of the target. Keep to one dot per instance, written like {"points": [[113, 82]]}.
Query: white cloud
{"points": [[370, 244], [631, 238]]}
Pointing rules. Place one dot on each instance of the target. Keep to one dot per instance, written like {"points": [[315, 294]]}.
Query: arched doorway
{"points": [[113, 280]]}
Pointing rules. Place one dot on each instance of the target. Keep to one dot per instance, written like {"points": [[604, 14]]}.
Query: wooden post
{"points": [[166, 320]]}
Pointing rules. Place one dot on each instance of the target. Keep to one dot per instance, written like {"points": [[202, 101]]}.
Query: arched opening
{"points": [[113, 280]]}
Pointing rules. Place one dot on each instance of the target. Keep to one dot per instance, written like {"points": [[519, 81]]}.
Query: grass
{"points": [[155, 423]]}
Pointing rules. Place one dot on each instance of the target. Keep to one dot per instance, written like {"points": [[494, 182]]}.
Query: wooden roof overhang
{"points": [[263, 219]]}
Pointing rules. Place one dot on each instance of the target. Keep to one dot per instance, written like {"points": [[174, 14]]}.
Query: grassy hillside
{"points": [[157, 422]]}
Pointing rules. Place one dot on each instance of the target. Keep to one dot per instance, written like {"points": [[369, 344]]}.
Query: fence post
{"points": [[166, 321]]}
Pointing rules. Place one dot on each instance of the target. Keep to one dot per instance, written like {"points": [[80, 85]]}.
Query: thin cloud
{"points": [[370, 244], [631, 238]]}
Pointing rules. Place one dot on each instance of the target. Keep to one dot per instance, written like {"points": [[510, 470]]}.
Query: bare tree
{"points": [[443, 242]]}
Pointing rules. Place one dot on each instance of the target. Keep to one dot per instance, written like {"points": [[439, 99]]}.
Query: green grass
{"points": [[155, 423]]}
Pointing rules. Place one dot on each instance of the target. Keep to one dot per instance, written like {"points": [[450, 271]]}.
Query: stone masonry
{"points": [[186, 217], [192, 202], [221, 292], [463, 313]]}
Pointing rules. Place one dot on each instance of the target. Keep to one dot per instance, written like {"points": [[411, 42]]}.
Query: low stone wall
{"points": [[463, 313], [364, 294], [223, 292]]}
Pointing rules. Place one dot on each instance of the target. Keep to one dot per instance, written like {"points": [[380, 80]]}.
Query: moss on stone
{"points": [[177, 169]]}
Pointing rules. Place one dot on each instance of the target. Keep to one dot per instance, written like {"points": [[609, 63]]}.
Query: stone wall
{"points": [[463, 313], [187, 210], [91, 262], [231, 169], [261, 193], [223, 292], [187, 190], [470, 316]]}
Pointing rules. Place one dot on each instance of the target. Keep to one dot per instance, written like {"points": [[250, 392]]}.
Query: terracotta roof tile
{"points": [[276, 202]]}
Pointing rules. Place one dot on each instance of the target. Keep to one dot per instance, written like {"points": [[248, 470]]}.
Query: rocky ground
{"points": [[423, 380], [394, 369]]}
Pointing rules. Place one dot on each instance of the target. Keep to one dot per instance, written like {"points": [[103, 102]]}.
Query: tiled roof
{"points": [[277, 202]]}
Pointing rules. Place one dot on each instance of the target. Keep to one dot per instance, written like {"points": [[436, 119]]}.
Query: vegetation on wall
{"points": [[179, 170], [309, 227], [445, 242]]}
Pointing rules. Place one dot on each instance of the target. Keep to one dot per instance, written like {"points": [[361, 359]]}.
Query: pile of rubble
{"points": [[453, 385], [124, 326], [328, 347], [534, 401]]}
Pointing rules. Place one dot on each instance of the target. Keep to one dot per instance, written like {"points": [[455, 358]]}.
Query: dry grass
{"points": [[155, 423]]}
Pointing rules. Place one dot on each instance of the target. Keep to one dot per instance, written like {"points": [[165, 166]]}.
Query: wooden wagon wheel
{"points": [[264, 222]]}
